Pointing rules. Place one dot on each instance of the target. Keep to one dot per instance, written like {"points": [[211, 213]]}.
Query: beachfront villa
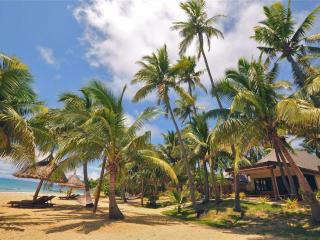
{"points": [[264, 178]]}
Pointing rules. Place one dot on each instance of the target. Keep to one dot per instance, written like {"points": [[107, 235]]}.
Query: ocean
{"points": [[19, 185]]}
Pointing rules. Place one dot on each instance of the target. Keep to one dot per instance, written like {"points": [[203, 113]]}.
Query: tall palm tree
{"points": [[255, 97], [119, 142], [198, 27], [156, 75], [281, 38], [17, 101]]}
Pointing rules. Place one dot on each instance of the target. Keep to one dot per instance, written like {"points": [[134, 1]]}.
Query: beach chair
{"points": [[71, 197], [41, 202]]}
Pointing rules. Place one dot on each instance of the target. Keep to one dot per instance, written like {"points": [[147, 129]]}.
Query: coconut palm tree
{"points": [[156, 75], [198, 27], [255, 97], [185, 70], [119, 142], [17, 101], [282, 39]]}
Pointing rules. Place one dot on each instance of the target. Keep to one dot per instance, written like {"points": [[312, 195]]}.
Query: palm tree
{"points": [[185, 69], [255, 97], [281, 38], [156, 75], [17, 101], [200, 27], [197, 133], [120, 143]]}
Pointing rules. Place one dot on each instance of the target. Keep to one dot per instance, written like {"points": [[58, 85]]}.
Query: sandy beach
{"points": [[69, 220]]}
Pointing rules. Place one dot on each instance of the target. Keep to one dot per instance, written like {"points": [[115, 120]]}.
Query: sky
{"points": [[68, 43]]}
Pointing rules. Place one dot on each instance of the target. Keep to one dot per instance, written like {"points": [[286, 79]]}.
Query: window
{"points": [[263, 184]]}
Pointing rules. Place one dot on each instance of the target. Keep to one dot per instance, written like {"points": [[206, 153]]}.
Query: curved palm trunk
{"points": [[211, 79], [96, 200], [86, 185], [114, 211], [289, 174], [306, 191], [206, 183], [36, 194], [283, 176], [184, 157]]}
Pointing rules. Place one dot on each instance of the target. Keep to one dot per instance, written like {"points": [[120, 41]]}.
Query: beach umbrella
{"points": [[43, 170], [73, 182]]}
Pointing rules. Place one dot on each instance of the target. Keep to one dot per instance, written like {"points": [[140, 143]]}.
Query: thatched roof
{"points": [[41, 170], [74, 182]]}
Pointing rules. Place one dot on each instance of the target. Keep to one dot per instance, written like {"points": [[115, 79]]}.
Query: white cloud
{"points": [[47, 55], [120, 32]]}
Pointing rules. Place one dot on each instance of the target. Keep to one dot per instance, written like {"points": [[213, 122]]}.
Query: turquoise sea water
{"points": [[18, 185]]}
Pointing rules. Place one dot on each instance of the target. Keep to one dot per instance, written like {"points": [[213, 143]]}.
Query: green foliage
{"points": [[318, 195]]}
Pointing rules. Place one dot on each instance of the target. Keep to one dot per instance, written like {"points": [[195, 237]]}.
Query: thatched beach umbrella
{"points": [[73, 182], [42, 170]]}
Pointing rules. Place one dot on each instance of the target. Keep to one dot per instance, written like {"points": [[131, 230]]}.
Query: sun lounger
{"points": [[71, 197], [41, 202]]}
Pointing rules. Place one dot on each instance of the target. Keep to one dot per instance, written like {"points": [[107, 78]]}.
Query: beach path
{"points": [[69, 221]]}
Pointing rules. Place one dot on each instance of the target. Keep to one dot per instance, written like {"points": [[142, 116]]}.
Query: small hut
{"points": [[42, 170]]}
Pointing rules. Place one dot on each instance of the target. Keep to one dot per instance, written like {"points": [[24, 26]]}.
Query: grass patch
{"points": [[259, 218]]}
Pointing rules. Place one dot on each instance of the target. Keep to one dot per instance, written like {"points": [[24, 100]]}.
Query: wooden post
{"points": [[274, 185]]}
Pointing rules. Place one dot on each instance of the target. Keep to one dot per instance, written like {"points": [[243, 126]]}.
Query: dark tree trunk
{"points": [[114, 211], [123, 193], [184, 158], [36, 194], [206, 183], [86, 185], [96, 200]]}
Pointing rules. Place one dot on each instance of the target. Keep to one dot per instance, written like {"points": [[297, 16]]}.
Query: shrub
{"points": [[291, 204], [178, 198], [241, 194], [263, 199], [318, 195]]}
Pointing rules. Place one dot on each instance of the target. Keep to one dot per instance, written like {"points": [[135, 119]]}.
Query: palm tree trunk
{"points": [[114, 211], [283, 176], [86, 185], [190, 93], [96, 200], [237, 206], [217, 193], [306, 191], [291, 183], [35, 196], [142, 192], [211, 79], [184, 158], [206, 183]]}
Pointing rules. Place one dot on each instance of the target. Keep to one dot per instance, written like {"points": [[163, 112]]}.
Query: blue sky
{"points": [[67, 43]]}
